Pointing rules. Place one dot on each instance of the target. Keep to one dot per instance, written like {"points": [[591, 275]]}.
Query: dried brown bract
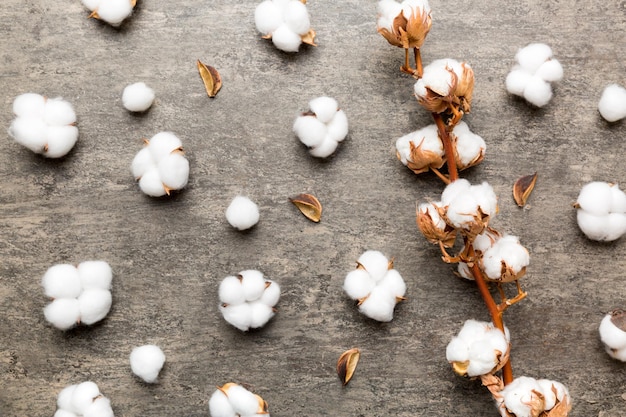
{"points": [[346, 365], [308, 205], [211, 78], [523, 187]]}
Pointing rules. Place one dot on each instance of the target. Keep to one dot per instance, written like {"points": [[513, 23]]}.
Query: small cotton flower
{"points": [[506, 260], [233, 400], [470, 148], [113, 12], [45, 126], [469, 207], [285, 22], [601, 213], [528, 397], [146, 362], [612, 104], [83, 400], [248, 299], [84, 395], [613, 335], [137, 97], [242, 213], [421, 150], [161, 166], [323, 127]]}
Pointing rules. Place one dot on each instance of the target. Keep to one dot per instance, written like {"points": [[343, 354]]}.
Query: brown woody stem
{"points": [[453, 173], [418, 62]]}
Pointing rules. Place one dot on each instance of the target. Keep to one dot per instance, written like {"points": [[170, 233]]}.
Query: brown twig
{"points": [[448, 148]]}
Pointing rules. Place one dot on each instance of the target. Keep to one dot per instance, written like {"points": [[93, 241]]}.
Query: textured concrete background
{"points": [[169, 255]]}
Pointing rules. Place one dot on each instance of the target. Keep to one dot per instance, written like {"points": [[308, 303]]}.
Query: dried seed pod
{"points": [[523, 187], [211, 78], [308, 205], [346, 364]]}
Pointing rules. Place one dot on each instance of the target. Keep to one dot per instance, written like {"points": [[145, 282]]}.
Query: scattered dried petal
{"points": [[523, 187], [308, 205], [347, 364], [309, 37], [211, 78]]}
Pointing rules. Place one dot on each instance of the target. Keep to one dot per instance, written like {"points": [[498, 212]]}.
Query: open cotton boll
{"points": [[231, 291], [95, 304], [285, 39], [84, 395], [519, 396], [453, 189], [612, 104], [595, 198], [150, 183], [220, 406], [146, 362], [267, 17], [114, 11], [532, 56], [517, 80], [63, 313], [553, 391], [538, 92], [242, 213], [358, 284], [469, 146], [379, 305], [506, 259], [324, 108], [601, 228], [239, 315], [297, 17], [271, 295], [612, 336], [137, 97], [252, 284], [62, 281], [95, 274], [324, 149], [243, 401], [60, 140], [375, 263], [174, 171], [388, 10], [310, 130], [436, 77], [29, 105]]}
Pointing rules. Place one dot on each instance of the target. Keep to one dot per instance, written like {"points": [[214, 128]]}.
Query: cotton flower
{"points": [[529, 397], [433, 226], [248, 299], [469, 207], [242, 213], [613, 335], [480, 348], [233, 400], [506, 260], [45, 126], [114, 12], [470, 148], [482, 242], [323, 127], [137, 97], [161, 166], [80, 294], [84, 400], [601, 213], [146, 362], [612, 105], [286, 22], [531, 76], [375, 285]]}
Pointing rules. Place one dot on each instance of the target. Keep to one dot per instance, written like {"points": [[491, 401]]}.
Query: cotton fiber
{"points": [[323, 127]]}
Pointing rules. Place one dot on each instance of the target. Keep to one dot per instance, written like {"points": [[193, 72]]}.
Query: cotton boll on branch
{"points": [[242, 213], [146, 362], [612, 104], [137, 97]]}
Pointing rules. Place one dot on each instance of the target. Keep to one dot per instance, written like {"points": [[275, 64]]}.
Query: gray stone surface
{"points": [[168, 255]]}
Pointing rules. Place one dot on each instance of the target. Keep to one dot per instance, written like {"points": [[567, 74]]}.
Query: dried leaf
{"points": [[523, 187], [347, 364], [308, 205], [309, 38], [618, 318], [211, 78]]}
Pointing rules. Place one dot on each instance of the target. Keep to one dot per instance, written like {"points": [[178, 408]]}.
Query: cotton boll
{"points": [[375, 263], [94, 304], [379, 305], [338, 126], [95, 274], [146, 362], [243, 401], [612, 104], [29, 132], [29, 105], [62, 281], [285, 39], [611, 335], [550, 71], [517, 80], [174, 171], [462, 211], [60, 140], [325, 149], [483, 358], [252, 283], [595, 198], [538, 92], [387, 11], [310, 130], [358, 284], [323, 107], [162, 144], [84, 396], [219, 405], [239, 316], [519, 395], [64, 399], [63, 313], [394, 283], [548, 388], [271, 295], [101, 407], [297, 17], [437, 78], [230, 291], [137, 97], [532, 56], [242, 213], [58, 112], [114, 11], [469, 146], [453, 189], [267, 17], [150, 183]]}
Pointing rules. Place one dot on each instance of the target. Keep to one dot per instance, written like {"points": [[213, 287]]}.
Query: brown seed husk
{"points": [[309, 38], [346, 364], [618, 318], [211, 78], [523, 187], [308, 205]]}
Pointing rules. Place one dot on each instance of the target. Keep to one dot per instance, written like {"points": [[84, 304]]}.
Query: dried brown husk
{"points": [[346, 365], [523, 187], [263, 407], [422, 160], [408, 33], [211, 78], [309, 37], [432, 233], [308, 205], [560, 409], [618, 318]]}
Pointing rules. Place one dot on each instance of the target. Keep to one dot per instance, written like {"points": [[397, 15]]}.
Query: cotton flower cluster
{"points": [[423, 150], [233, 400], [248, 299], [161, 166], [480, 348], [613, 335], [137, 97], [286, 22], [83, 400], [146, 362], [505, 260], [467, 206], [612, 105], [404, 24], [80, 294], [45, 126], [531, 76], [114, 12], [242, 213], [375, 285], [529, 397], [323, 127], [601, 213]]}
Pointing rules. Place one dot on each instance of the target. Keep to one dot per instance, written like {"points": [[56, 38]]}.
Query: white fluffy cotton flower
{"points": [[613, 335], [506, 260], [323, 127], [530, 78], [84, 399], [137, 97], [601, 213], [146, 362], [233, 400], [469, 206], [247, 300], [470, 148], [480, 348], [375, 285], [242, 213], [113, 12], [80, 294], [612, 104], [528, 397], [45, 126], [161, 166], [286, 22]]}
